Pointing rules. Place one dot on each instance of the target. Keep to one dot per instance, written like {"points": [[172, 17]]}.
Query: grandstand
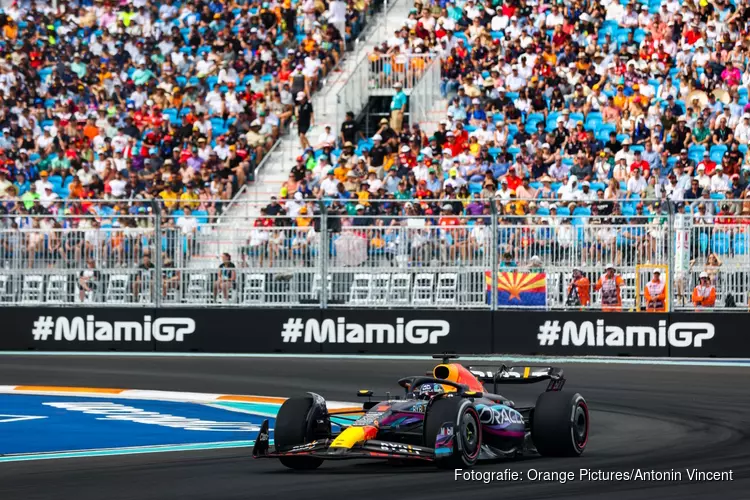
{"points": [[533, 141]]}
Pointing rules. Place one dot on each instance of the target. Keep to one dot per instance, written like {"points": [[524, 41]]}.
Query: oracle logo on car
{"points": [[341, 331]]}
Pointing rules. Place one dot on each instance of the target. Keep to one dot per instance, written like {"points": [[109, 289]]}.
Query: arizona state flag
{"points": [[518, 289]]}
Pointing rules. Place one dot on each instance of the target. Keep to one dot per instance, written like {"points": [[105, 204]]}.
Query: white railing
{"points": [[425, 93], [368, 260]]}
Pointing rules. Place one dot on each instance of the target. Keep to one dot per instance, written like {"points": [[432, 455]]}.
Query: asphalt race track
{"points": [[643, 417]]}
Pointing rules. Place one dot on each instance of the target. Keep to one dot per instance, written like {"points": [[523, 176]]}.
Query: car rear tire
{"points": [[467, 439], [560, 424], [295, 426]]}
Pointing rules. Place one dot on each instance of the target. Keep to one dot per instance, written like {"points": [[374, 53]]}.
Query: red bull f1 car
{"points": [[448, 418]]}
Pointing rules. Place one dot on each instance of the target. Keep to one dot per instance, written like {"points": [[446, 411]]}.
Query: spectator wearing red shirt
{"points": [[407, 158], [462, 136], [514, 181], [641, 164], [693, 34], [709, 165], [725, 216], [452, 146], [447, 219]]}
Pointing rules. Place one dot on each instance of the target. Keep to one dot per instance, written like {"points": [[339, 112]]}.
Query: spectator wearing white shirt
{"points": [[48, 197], [720, 182], [742, 130], [329, 185], [117, 185], [374, 183], [567, 191], [221, 149], [626, 153], [326, 138], [636, 183], [704, 181], [43, 182], [515, 82], [504, 193], [500, 22], [482, 134], [559, 170]]}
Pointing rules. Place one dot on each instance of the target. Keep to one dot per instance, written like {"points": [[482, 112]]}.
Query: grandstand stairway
{"points": [[225, 235]]}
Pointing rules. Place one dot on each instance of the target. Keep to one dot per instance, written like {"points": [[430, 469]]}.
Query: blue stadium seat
{"points": [[535, 116], [740, 244], [703, 242], [720, 243], [717, 152], [576, 117], [56, 182], [593, 123], [696, 149], [171, 113], [201, 215]]}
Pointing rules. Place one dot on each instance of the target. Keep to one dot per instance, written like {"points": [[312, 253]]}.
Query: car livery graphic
{"points": [[447, 417]]}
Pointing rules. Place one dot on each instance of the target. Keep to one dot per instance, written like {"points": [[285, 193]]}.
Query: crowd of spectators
{"points": [[103, 99], [616, 112]]}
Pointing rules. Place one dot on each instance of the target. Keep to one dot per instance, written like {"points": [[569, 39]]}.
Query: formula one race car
{"points": [[447, 417]]}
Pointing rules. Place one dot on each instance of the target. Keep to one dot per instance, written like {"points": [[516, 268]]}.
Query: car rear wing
{"points": [[520, 375]]}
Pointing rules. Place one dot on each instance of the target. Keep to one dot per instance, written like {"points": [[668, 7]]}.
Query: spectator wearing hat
{"points": [[579, 290], [720, 182], [655, 293], [398, 106], [704, 294], [610, 285]]}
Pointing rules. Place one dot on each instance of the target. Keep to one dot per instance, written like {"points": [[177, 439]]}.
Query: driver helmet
{"points": [[430, 390]]}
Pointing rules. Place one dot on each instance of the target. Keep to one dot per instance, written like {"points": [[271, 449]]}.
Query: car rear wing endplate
{"points": [[520, 375]]}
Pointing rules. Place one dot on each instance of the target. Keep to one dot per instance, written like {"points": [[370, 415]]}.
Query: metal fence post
{"points": [[672, 241], [493, 256], [324, 253], [156, 209]]}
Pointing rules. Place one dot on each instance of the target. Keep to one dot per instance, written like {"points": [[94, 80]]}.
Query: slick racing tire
{"points": [[295, 424], [560, 424], [467, 438]]}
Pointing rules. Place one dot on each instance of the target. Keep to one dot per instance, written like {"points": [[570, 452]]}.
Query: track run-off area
{"points": [[147, 427]]}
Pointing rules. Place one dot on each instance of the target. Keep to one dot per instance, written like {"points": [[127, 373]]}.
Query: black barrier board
{"points": [[387, 331], [88, 329], [581, 333], [402, 331], [705, 334], [245, 330]]}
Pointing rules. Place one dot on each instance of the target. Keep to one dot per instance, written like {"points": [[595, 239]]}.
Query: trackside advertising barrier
{"points": [[387, 331]]}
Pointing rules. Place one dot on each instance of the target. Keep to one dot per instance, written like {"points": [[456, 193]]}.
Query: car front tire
{"points": [[294, 427], [467, 439]]}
